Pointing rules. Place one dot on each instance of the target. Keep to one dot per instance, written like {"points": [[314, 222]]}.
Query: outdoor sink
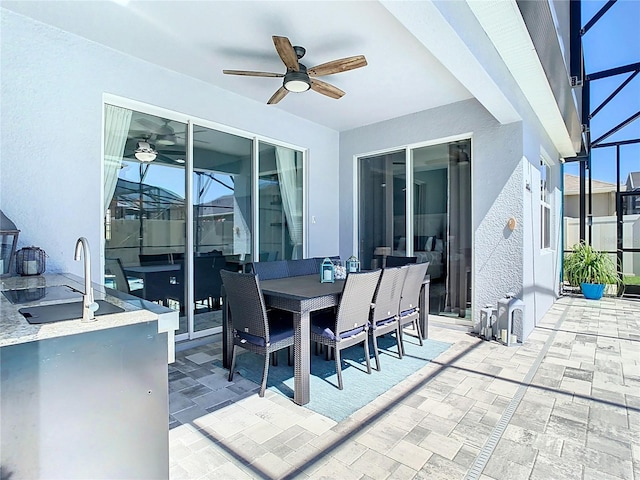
{"points": [[41, 294], [64, 311]]}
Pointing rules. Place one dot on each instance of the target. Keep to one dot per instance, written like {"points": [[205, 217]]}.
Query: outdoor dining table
{"points": [[170, 286], [302, 295], [299, 295]]}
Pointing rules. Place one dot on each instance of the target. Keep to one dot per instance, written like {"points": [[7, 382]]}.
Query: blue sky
{"points": [[612, 42]]}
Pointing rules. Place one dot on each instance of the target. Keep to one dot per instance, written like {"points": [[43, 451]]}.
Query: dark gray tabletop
{"points": [[169, 267], [302, 287]]}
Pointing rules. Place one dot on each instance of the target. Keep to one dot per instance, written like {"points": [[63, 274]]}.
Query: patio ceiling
{"points": [[417, 56]]}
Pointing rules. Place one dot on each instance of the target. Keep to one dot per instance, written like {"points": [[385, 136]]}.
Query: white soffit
{"points": [[427, 24], [502, 21]]}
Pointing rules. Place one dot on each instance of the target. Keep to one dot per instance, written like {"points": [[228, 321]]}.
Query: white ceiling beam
{"points": [[425, 21], [505, 27]]}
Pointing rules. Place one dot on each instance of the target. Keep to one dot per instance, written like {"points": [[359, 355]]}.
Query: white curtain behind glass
{"points": [[117, 122], [290, 179]]}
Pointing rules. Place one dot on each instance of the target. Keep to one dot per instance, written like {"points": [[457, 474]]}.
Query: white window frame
{"points": [[546, 199]]}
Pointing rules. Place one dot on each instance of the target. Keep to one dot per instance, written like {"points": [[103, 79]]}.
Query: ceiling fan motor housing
{"points": [[297, 81]]}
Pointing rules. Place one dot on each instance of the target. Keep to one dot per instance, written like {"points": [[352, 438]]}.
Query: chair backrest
{"points": [[412, 285], [113, 267], [306, 266], [395, 261], [270, 270], [207, 276], [355, 303], [388, 293], [244, 296]]}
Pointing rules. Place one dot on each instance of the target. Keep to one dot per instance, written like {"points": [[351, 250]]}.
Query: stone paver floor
{"points": [[565, 405]]}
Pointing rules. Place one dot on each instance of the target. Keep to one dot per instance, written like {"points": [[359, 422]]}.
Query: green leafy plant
{"points": [[584, 264]]}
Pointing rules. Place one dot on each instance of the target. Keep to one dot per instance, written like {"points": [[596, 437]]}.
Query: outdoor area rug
{"points": [[359, 388]]}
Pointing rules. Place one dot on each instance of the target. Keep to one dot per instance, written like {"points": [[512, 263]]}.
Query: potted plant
{"points": [[590, 269]]}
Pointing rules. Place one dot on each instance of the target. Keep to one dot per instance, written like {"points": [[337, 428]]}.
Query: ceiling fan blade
{"points": [[145, 122], [279, 95], [249, 73], [326, 89], [286, 52], [337, 66]]}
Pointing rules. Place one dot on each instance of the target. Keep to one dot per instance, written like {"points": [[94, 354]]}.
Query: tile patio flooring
{"points": [[564, 405]]}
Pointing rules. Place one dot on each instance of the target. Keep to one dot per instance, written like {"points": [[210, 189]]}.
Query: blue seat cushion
{"points": [[382, 323], [408, 312], [280, 327], [324, 325]]}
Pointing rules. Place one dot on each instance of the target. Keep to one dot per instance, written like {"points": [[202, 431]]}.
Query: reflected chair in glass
{"points": [[386, 302], [207, 280], [253, 327], [114, 272], [396, 261], [350, 324], [409, 302]]}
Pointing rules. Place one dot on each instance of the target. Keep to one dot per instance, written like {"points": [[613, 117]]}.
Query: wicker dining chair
{"points": [[410, 300], [253, 327], [386, 301], [306, 266], [349, 325]]}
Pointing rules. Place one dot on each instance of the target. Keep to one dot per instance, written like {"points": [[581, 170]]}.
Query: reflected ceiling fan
{"points": [[299, 78]]}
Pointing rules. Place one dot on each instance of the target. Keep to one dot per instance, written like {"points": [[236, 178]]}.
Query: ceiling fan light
{"points": [[145, 152], [297, 82]]}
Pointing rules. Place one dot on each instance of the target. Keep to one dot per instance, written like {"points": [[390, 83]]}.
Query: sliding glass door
{"points": [[280, 203], [221, 193], [442, 223], [434, 193], [180, 207], [382, 208], [145, 210]]}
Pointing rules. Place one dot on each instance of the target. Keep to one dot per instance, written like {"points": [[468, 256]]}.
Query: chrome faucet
{"points": [[88, 305]]}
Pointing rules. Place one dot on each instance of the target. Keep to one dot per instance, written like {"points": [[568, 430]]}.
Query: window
{"points": [[545, 207], [184, 209]]}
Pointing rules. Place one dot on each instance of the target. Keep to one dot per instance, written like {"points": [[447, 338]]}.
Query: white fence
{"points": [[605, 235]]}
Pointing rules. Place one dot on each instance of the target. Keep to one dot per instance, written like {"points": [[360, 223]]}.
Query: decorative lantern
{"points": [[31, 261], [327, 272], [353, 264], [510, 320], [488, 324], [8, 241]]}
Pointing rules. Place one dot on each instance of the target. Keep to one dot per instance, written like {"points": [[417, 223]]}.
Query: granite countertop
{"points": [[15, 329]]}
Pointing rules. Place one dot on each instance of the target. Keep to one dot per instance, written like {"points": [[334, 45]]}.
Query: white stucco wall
{"points": [[504, 159], [50, 141]]}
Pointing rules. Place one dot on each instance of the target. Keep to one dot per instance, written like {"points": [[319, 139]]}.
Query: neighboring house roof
{"points": [[633, 181], [572, 185]]}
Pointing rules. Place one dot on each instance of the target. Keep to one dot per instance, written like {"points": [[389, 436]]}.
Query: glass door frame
{"points": [[190, 121], [633, 290], [255, 170], [409, 207]]}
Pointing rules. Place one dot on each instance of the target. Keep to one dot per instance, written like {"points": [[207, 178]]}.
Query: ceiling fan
{"points": [[299, 78]]}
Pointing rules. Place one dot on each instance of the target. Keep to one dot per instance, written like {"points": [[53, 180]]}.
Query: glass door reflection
{"points": [[280, 203], [382, 208], [145, 212], [221, 190]]}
